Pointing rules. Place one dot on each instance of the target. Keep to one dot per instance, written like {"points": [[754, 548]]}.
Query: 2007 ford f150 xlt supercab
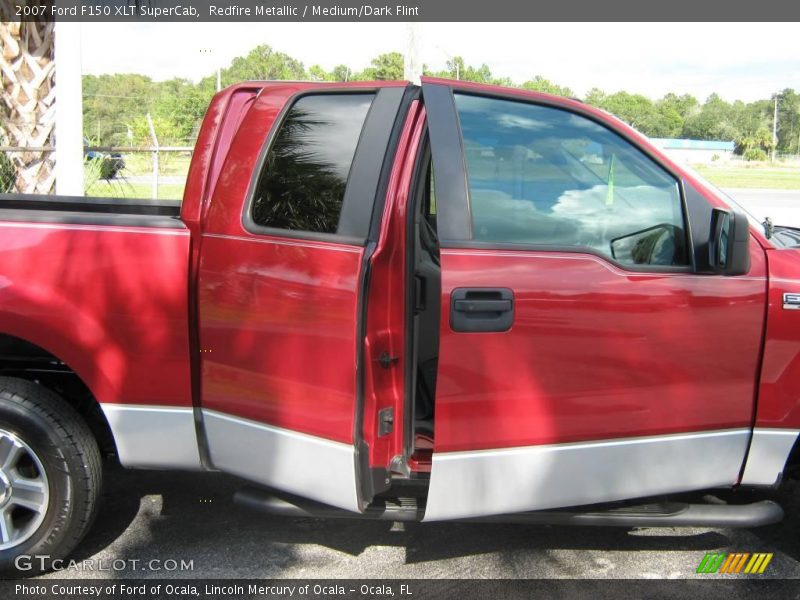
{"points": [[446, 301]]}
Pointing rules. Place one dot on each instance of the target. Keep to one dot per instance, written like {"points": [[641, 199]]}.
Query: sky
{"points": [[744, 61]]}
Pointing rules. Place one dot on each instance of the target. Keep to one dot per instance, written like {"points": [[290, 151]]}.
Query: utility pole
{"points": [[154, 150], [210, 53], [456, 63], [775, 129], [412, 65]]}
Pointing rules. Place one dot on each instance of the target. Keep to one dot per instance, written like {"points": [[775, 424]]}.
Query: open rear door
{"points": [[281, 278], [584, 357]]}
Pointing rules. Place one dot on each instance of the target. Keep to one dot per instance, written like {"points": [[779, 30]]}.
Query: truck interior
{"points": [[425, 315]]}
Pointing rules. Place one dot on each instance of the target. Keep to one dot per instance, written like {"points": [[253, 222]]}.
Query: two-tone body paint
{"points": [[110, 302], [596, 352], [279, 333], [645, 368], [777, 418], [611, 384]]}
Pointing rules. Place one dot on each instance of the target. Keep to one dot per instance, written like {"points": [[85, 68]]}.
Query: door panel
{"points": [[609, 385], [279, 288], [612, 382], [596, 352], [287, 330], [279, 355]]}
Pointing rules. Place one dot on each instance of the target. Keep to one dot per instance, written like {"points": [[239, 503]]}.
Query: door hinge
{"points": [[386, 360], [385, 421]]}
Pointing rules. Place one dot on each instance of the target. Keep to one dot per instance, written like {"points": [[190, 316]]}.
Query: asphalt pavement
{"points": [[782, 206], [166, 517], [191, 518]]}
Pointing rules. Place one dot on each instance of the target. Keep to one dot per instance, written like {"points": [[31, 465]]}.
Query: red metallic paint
{"points": [[108, 301], [596, 352], [779, 391], [219, 125], [278, 316], [278, 332], [221, 120], [385, 388]]}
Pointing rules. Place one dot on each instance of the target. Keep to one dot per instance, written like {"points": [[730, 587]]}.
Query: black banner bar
{"points": [[398, 10]]}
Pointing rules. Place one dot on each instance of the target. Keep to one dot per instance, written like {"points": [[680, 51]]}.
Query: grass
{"points": [[119, 189], [169, 163], [752, 175], [133, 180]]}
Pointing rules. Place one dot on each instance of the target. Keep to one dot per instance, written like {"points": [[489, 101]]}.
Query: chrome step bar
{"points": [[668, 514]]}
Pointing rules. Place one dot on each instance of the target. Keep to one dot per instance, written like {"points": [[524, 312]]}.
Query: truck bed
{"points": [[102, 284], [135, 212]]}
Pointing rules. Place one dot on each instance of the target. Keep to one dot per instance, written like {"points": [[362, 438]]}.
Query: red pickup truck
{"points": [[446, 301]]}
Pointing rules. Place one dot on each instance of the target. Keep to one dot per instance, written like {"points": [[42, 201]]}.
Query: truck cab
{"points": [[434, 302]]}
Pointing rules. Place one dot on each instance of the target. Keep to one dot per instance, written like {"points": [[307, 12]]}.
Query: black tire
{"points": [[69, 455]]}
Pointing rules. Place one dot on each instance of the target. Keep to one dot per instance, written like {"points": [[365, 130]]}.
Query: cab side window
{"points": [[547, 177], [303, 181]]}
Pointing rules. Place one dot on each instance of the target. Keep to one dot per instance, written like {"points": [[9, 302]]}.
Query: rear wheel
{"points": [[50, 476]]}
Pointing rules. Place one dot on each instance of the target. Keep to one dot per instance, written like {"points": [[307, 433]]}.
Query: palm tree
{"points": [[27, 100]]}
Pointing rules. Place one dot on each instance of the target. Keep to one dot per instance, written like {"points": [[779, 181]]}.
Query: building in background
{"points": [[695, 151]]}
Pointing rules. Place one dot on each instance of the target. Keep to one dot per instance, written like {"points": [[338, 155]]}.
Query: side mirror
{"points": [[729, 242]]}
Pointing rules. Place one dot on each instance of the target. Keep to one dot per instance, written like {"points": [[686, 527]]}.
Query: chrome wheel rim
{"points": [[24, 493]]}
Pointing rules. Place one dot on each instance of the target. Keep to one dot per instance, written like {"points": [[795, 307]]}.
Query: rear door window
{"points": [[303, 181]]}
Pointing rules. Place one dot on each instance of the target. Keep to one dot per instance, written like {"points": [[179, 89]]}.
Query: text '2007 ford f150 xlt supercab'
{"points": [[445, 301]]}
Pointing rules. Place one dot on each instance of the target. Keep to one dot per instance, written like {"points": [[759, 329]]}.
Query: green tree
{"points": [[455, 68], [341, 73], [789, 121], [385, 67], [110, 102], [482, 74], [263, 63], [595, 97], [540, 84], [317, 73], [115, 103], [756, 145], [673, 111], [685, 105], [182, 104], [637, 111], [715, 121]]}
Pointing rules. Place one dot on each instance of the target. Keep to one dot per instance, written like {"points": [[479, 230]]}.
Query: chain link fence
{"points": [[116, 172]]}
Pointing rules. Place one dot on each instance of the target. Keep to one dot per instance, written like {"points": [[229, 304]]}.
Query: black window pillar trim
{"points": [[365, 173], [698, 214], [449, 166]]}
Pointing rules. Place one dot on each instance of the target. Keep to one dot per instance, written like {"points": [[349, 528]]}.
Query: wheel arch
{"points": [[32, 361]]}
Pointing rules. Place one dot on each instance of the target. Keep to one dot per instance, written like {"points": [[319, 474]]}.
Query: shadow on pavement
{"points": [[192, 515]]}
